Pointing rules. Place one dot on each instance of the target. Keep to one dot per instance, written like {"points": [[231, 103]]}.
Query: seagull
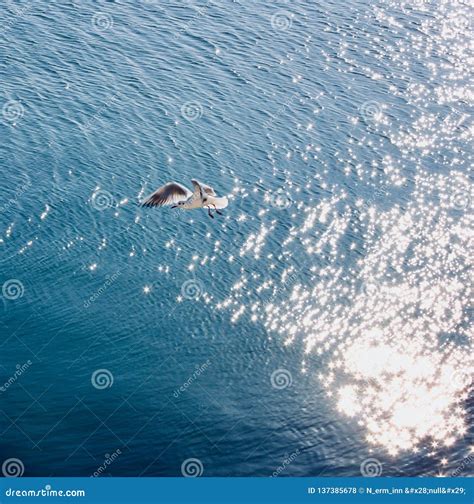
{"points": [[178, 196]]}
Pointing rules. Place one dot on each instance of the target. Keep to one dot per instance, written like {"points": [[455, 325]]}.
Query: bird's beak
{"points": [[174, 206]]}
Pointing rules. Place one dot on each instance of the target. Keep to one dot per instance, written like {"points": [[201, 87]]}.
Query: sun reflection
{"points": [[383, 288], [393, 330]]}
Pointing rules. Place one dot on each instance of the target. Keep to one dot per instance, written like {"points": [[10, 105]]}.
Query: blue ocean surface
{"points": [[322, 325]]}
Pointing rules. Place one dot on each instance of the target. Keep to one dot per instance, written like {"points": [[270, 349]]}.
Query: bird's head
{"points": [[178, 205]]}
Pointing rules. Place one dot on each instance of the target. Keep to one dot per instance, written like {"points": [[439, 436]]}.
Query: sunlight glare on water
{"points": [[382, 291], [331, 298]]}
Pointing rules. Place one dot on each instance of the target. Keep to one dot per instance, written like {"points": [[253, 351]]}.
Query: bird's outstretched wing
{"points": [[202, 189], [170, 193]]}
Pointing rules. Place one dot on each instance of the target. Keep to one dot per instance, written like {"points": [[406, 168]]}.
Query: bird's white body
{"points": [[205, 202], [179, 196]]}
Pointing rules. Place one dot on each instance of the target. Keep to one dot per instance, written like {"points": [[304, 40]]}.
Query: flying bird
{"points": [[178, 196]]}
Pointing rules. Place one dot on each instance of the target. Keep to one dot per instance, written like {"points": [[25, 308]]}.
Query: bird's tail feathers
{"points": [[220, 203]]}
